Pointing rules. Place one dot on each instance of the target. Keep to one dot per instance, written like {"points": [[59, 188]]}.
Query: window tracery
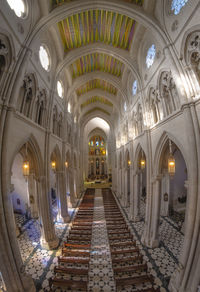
{"points": [[193, 54], [169, 94], [40, 116]]}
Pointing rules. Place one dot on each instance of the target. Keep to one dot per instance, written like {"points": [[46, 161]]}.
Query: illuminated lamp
{"points": [[26, 168], [142, 162], [66, 164], [171, 161], [25, 165], [53, 164], [129, 162]]}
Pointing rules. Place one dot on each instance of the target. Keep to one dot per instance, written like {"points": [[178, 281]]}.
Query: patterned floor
{"points": [[101, 273], [39, 262], [161, 261]]}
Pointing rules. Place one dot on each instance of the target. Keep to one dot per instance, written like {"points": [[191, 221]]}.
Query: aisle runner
{"points": [[100, 273]]}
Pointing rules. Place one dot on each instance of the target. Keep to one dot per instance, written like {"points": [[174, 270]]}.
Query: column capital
{"points": [[157, 177]]}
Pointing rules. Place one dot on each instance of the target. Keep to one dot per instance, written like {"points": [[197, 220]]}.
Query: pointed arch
{"points": [[161, 146]]}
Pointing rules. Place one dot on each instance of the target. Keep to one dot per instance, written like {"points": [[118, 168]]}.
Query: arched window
{"points": [[44, 57], [151, 53], [19, 7], [134, 88], [177, 5]]}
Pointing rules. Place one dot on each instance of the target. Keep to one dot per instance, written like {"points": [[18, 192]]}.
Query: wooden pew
{"points": [[62, 283], [70, 271]]}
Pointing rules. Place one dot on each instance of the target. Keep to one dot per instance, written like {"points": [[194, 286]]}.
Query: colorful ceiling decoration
{"points": [[97, 26], [96, 84], [56, 3], [96, 62], [96, 99], [97, 109]]}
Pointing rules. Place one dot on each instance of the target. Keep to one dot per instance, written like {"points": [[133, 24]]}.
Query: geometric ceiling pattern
{"points": [[56, 3], [96, 62], [96, 99], [97, 26], [97, 109], [96, 84]]}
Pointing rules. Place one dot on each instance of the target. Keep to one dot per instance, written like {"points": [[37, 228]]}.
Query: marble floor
{"points": [[39, 262], [162, 261]]}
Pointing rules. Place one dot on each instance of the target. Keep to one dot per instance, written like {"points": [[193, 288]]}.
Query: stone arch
{"points": [[56, 155], [34, 149], [159, 150]]}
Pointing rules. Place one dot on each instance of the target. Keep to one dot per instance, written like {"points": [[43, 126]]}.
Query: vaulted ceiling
{"points": [[96, 76]]}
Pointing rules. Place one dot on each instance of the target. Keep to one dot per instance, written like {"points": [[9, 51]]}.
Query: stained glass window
{"points": [[134, 87], [92, 143], [97, 143], [151, 53], [177, 5], [44, 58], [102, 143], [18, 6]]}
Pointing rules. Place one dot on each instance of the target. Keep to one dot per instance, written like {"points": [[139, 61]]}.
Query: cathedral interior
{"points": [[100, 145]]}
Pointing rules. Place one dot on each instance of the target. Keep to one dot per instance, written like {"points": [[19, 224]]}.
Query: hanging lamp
{"points": [[171, 161]]}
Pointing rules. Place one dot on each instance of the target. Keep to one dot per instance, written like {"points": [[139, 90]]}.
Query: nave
{"points": [[99, 270]]}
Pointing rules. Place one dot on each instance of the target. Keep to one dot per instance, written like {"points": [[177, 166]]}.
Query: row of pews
{"points": [[73, 266], [130, 270]]}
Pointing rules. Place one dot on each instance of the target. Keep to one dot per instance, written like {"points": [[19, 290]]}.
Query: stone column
{"points": [[62, 215], [131, 194], [122, 186], [48, 237], [136, 192], [125, 199], [33, 196], [156, 212], [71, 187]]}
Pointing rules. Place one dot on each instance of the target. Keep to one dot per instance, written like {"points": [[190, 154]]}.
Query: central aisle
{"points": [[101, 273]]}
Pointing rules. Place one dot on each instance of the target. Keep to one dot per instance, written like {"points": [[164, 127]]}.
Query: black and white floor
{"points": [[39, 263]]}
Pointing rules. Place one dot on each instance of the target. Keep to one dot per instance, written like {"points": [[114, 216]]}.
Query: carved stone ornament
{"points": [[3, 48]]}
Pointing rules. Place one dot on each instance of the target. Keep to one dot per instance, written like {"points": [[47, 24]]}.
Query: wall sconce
{"points": [[25, 165], [66, 164], [142, 161], [26, 168], [53, 164], [129, 162], [171, 161]]}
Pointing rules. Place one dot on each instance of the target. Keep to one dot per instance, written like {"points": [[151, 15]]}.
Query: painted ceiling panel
{"points": [[97, 26], [96, 62], [56, 3], [97, 109], [96, 99], [96, 84]]}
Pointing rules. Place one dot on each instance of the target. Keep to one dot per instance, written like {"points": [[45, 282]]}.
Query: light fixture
{"points": [[26, 167], [171, 161], [66, 164], [53, 164], [129, 162], [142, 161], [104, 152]]}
